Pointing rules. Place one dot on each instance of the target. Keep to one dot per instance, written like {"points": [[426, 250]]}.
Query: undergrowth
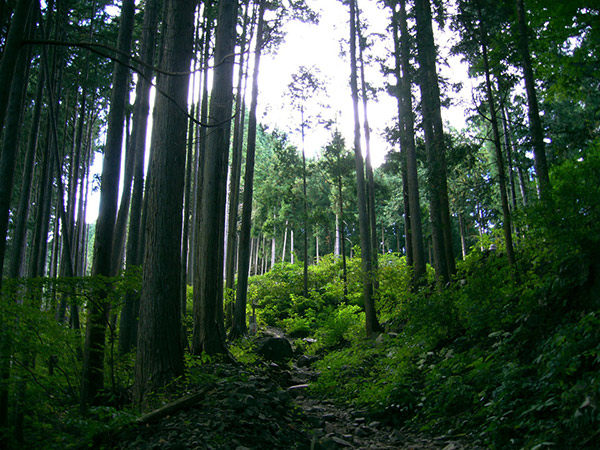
{"points": [[506, 356]]}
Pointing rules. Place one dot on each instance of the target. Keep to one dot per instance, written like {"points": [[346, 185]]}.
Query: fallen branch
{"points": [[174, 407]]}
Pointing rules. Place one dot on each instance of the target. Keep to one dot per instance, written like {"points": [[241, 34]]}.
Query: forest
{"points": [[239, 290]]}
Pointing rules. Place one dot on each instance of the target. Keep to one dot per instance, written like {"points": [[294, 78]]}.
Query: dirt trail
{"points": [[335, 427], [267, 406]]}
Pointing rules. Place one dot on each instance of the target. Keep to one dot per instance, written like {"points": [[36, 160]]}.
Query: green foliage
{"points": [[46, 357], [340, 327], [508, 361]]}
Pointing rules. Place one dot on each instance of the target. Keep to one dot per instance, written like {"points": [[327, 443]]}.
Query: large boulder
{"points": [[274, 349]]}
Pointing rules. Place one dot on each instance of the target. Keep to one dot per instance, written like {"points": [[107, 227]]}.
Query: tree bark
{"points": [[159, 346], [368, 165], [201, 149], [342, 236], [238, 327], [535, 123], [92, 379], [24, 10], [10, 150], [130, 312], [407, 126], [209, 333], [506, 223], [236, 167], [372, 325], [434, 142], [17, 266]]}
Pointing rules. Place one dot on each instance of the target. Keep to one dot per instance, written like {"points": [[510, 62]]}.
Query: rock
{"points": [[341, 442], [362, 432], [326, 444], [374, 424], [328, 417], [396, 436], [296, 390], [315, 421], [306, 360], [329, 428], [274, 349], [451, 446]]}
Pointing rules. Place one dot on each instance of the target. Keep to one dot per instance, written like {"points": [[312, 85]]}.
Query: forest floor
{"points": [[266, 407]]}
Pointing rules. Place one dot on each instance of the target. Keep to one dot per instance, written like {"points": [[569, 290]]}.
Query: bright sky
{"points": [[321, 46]]}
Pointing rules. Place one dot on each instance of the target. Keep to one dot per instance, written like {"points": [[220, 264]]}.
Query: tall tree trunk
{"points": [[10, 145], [92, 380], [463, 235], [24, 10], [509, 158], [292, 245], [239, 317], [209, 333], [273, 248], [368, 165], [159, 346], [8, 157], [342, 236], [285, 233], [17, 266], [336, 246], [189, 174], [506, 224], [372, 325], [304, 218], [130, 313], [508, 130], [410, 257], [202, 134], [407, 126], [236, 167], [535, 123], [434, 142], [120, 230], [37, 264]]}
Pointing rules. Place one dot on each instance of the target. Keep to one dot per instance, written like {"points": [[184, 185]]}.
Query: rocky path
{"points": [[265, 407], [333, 427]]}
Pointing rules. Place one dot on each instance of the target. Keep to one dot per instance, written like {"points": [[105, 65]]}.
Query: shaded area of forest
{"points": [[454, 291]]}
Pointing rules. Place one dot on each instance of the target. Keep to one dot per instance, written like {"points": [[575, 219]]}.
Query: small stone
{"points": [[328, 417], [359, 420], [396, 436], [315, 421], [297, 390], [329, 428], [341, 442], [362, 432], [451, 446], [318, 433], [306, 360], [374, 424], [327, 444]]}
